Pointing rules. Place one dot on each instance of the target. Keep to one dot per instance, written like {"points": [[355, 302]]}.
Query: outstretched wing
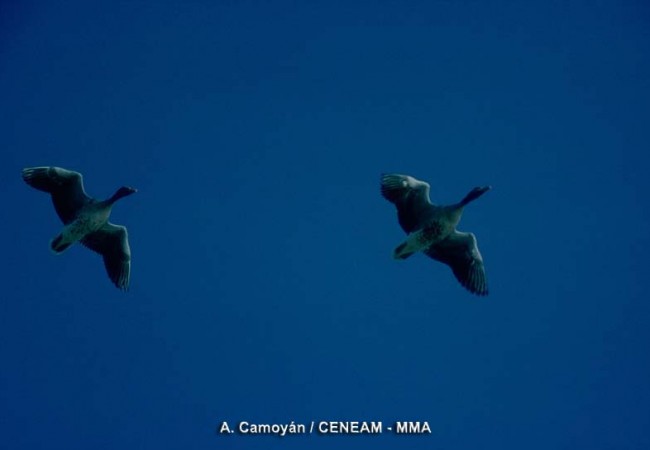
{"points": [[460, 252], [112, 242], [65, 186], [410, 196]]}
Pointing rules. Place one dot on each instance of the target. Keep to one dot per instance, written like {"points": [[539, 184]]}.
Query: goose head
{"points": [[122, 192], [474, 194]]}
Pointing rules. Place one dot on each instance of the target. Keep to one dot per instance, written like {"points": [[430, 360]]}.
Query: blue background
{"points": [[262, 284]]}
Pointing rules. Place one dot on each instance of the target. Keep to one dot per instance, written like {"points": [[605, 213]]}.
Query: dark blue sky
{"points": [[263, 286]]}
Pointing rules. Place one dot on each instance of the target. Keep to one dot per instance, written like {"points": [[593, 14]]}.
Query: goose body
{"points": [[432, 229], [85, 219], [92, 217]]}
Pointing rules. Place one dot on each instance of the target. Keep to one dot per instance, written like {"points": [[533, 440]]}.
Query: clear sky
{"points": [[263, 286]]}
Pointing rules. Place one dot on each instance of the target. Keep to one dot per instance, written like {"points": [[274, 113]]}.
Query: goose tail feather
{"points": [[58, 246]]}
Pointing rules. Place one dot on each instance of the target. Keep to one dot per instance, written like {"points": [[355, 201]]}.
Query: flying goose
{"points": [[432, 229], [85, 219]]}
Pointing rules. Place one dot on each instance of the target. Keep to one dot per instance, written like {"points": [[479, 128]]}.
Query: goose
{"points": [[85, 219], [432, 229]]}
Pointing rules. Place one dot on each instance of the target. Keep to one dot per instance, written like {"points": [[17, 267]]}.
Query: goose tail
{"points": [[58, 245], [402, 252]]}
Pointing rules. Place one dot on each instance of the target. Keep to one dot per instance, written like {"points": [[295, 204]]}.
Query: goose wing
{"points": [[112, 242], [65, 186], [460, 252], [411, 198]]}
